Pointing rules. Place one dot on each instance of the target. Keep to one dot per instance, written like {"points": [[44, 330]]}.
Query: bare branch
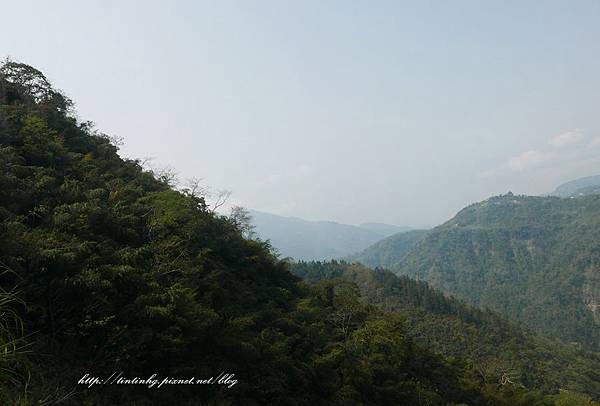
{"points": [[166, 175], [220, 199], [195, 188]]}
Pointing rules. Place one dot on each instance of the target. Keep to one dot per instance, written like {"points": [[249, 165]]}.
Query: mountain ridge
{"points": [[455, 328], [317, 240], [578, 187], [535, 259]]}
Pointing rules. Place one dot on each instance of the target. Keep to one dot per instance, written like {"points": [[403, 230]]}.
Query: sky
{"points": [[381, 111]]}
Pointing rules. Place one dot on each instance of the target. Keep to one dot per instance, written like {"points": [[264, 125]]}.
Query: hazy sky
{"points": [[390, 111]]}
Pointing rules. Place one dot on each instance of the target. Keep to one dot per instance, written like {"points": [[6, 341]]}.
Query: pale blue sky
{"points": [[398, 112]]}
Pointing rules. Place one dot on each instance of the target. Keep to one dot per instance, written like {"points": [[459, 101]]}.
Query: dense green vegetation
{"points": [[494, 347], [533, 259], [107, 268], [390, 250]]}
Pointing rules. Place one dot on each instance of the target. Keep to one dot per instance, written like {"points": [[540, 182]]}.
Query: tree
{"points": [[241, 219]]}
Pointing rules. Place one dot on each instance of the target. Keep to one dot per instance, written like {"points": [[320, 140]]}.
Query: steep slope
{"points": [[389, 251], [119, 272], [534, 259], [492, 344], [315, 240]]}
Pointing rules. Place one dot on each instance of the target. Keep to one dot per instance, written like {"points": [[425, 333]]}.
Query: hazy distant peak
{"points": [[384, 229], [318, 240], [579, 187]]}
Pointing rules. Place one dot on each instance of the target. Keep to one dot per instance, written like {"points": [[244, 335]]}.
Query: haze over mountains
{"points": [[533, 259], [579, 187], [373, 244], [318, 240]]}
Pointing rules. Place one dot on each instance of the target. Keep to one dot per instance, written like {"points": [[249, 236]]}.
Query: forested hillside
{"points": [[533, 259], [390, 250], [491, 344], [107, 268]]}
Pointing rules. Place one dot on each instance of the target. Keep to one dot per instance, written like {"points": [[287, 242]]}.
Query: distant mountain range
{"points": [[579, 187], [318, 240], [384, 229], [533, 259], [372, 244]]}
